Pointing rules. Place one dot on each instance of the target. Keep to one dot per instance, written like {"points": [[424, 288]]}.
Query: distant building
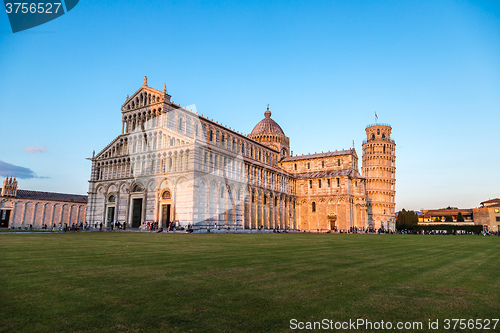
{"points": [[439, 215], [24, 209], [487, 215]]}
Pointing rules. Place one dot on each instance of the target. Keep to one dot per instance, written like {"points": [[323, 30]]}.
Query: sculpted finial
{"points": [[267, 114], [164, 88], [145, 80]]}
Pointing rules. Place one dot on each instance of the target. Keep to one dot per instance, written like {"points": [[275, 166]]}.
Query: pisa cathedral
{"points": [[170, 164]]}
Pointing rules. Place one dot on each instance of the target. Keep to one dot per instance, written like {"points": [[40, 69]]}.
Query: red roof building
{"points": [[36, 209]]}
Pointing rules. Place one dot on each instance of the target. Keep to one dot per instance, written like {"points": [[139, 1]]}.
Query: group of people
{"points": [[80, 226], [448, 232], [171, 226], [117, 226], [353, 230], [75, 227], [154, 226], [151, 226]]}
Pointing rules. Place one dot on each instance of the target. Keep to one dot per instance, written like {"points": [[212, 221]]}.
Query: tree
{"points": [[406, 219], [437, 219], [460, 218], [448, 218], [401, 220]]}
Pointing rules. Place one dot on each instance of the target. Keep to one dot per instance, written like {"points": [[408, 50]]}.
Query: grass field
{"points": [[129, 282]]}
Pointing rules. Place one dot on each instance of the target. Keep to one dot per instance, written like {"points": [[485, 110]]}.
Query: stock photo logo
{"points": [[26, 15]]}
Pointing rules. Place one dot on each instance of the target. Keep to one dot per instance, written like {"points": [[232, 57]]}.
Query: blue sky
{"points": [[431, 69]]}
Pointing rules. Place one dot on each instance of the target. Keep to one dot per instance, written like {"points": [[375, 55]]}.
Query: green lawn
{"points": [[129, 282]]}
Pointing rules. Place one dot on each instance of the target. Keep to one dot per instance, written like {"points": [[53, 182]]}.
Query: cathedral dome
{"points": [[267, 126]]}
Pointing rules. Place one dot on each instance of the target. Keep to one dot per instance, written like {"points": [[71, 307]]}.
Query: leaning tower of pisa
{"points": [[379, 169]]}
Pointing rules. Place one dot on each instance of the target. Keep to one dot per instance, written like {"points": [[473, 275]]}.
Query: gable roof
{"points": [[319, 155], [492, 201], [147, 89], [446, 212], [52, 196]]}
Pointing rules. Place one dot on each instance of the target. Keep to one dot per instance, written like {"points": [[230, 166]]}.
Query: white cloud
{"points": [[33, 150]]}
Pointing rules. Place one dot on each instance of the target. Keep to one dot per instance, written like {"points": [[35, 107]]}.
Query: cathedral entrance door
{"points": [[332, 225], [111, 215], [4, 218], [332, 218], [136, 213], [165, 216]]}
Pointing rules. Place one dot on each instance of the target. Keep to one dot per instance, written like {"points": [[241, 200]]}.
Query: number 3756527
{"points": [[40, 8]]}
